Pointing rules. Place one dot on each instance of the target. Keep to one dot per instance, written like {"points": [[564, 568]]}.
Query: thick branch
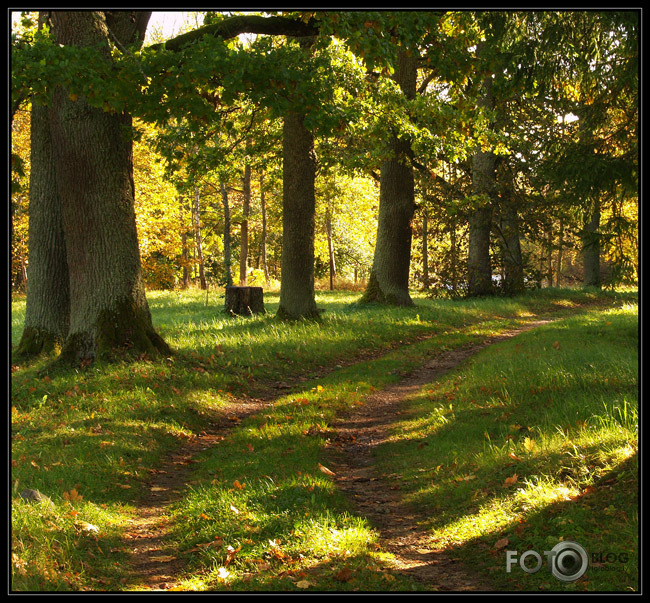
{"points": [[232, 27]]}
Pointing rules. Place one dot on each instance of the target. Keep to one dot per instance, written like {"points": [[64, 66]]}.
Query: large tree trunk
{"points": [[389, 277], [591, 246], [94, 170], [297, 298], [48, 295]]}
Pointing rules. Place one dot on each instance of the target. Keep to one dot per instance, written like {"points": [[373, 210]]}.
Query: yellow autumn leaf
{"points": [[303, 584], [529, 444]]}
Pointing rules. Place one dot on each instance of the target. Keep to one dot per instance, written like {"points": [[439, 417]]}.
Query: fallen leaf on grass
{"points": [[325, 470], [303, 584], [72, 496], [510, 480], [345, 575], [88, 527], [231, 554], [465, 478], [556, 345], [501, 543], [238, 485], [223, 573]]}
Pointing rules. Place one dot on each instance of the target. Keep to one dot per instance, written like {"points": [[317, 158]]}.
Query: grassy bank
{"points": [[89, 439]]}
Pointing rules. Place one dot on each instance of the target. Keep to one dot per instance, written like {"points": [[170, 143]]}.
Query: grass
{"points": [[535, 442], [87, 439]]}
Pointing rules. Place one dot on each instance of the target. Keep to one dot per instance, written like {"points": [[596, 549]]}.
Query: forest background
{"points": [[209, 207]]}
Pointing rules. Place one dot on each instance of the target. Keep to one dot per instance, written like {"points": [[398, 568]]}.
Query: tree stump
{"points": [[245, 301]]}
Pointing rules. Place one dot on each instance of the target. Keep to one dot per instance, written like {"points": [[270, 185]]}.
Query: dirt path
{"points": [[359, 433], [153, 566]]}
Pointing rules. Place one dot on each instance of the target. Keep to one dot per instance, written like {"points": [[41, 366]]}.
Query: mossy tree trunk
{"points": [[94, 172], [297, 298], [389, 278], [48, 295]]}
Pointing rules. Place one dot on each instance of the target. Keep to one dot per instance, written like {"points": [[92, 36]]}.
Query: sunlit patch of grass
{"points": [[530, 431]]}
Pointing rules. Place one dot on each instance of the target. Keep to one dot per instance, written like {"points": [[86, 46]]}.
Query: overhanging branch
{"points": [[240, 24]]}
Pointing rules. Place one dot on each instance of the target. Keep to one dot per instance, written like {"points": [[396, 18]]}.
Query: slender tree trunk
{"points": [[330, 246], [513, 266], [425, 250], [549, 253], [263, 242], [94, 171], [297, 297], [591, 246], [243, 256], [389, 278], [198, 239], [454, 257], [479, 268], [227, 259], [48, 295], [184, 247], [558, 272]]}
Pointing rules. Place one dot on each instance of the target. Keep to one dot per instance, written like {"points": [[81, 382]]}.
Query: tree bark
{"points": [[198, 239], [297, 297], [263, 241], [227, 258], [330, 246], [47, 310], [94, 171], [479, 268], [185, 251], [513, 265], [512, 260], [425, 249], [389, 278], [591, 246], [243, 256]]}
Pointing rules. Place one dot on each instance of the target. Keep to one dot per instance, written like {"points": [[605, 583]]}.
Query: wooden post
{"points": [[245, 301]]}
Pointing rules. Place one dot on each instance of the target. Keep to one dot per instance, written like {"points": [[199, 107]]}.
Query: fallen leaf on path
{"points": [[163, 558]]}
